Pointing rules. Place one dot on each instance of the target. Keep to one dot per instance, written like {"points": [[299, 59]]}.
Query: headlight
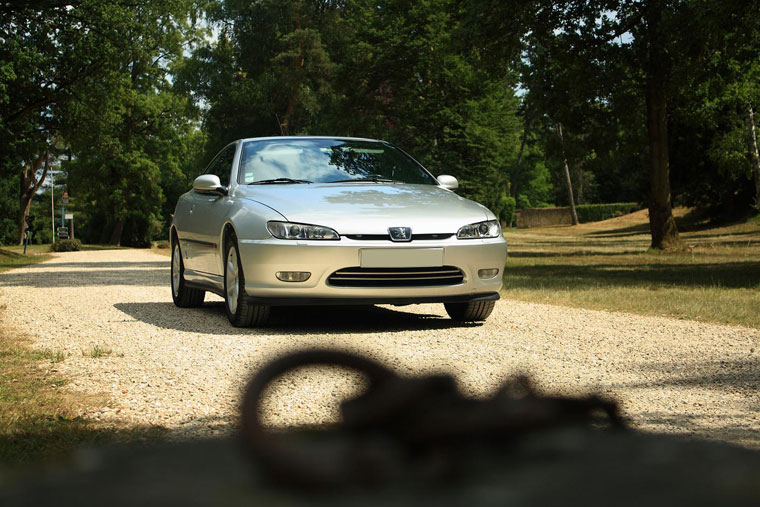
{"points": [[489, 229], [287, 230]]}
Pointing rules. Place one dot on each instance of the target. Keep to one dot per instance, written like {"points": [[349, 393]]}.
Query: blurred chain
{"points": [[399, 421]]}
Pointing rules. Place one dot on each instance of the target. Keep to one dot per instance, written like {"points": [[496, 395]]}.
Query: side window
{"points": [[222, 165]]}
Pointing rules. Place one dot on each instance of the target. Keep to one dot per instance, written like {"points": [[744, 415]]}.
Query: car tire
{"points": [[240, 312], [183, 296], [471, 311]]}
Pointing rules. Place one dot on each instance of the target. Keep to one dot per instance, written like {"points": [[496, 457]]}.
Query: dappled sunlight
{"points": [[605, 266]]}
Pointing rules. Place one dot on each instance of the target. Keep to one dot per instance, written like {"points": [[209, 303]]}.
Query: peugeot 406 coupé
{"points": [[316, 220]]}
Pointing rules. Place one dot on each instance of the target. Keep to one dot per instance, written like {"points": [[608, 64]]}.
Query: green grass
{"points": [[103, 247], [97, 351], [13, 257], [609, 266]]}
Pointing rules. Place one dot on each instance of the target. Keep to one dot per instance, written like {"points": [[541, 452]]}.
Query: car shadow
{"points": [[211, 319]]}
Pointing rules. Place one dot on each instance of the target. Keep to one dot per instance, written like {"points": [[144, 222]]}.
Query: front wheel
{"points": [[471, 311], [183, 296], [240, 312]]}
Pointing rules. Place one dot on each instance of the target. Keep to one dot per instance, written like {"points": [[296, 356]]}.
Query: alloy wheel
{"points": [[232, 280], [176, 265]]}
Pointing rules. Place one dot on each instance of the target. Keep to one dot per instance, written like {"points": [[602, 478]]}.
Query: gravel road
{"points": [[111, 313]]}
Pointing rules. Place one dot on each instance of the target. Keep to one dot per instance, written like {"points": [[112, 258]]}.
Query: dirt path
{"points": [[112, 315]]}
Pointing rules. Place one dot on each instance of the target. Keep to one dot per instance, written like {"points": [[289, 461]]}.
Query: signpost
{"points": [[64, 202], [70, 218], [52, 202]]}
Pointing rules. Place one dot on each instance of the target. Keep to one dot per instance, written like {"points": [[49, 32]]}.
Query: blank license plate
{"points": [[400, 257]]}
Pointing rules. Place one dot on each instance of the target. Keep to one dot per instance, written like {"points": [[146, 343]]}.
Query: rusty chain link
{"points": [[400, 421]]}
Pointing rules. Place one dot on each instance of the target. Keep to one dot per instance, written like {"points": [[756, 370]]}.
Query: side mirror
{"points": [[209, 184], [448, 182]]}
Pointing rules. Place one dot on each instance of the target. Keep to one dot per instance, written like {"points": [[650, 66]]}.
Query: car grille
{"points": [[396, 277], [387, 237]]}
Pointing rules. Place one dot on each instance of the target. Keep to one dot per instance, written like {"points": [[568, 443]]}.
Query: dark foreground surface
{"points": [[562, 467]]}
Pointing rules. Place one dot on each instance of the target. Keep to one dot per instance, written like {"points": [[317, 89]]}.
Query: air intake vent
{"points": [[396, 277]]}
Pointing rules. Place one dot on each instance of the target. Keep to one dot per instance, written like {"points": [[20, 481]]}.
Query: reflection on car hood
{"points": [[369, 208]]}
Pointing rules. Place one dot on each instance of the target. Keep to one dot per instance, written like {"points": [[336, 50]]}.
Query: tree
{"points": [[269, 72], [413, 75], [136, 127], [720, 105], [48, 48], [398, 70], [58, 55], [568, 181], [662, 225], [584, 59]]}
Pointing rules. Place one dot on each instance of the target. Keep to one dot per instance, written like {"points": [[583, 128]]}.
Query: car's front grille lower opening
{"points": [[396, 277]]}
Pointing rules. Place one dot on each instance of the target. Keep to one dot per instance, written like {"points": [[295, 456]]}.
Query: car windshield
{"points": [[327, 161]]}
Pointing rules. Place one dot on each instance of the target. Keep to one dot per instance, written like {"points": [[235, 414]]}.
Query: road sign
{"points": [[68, 216]]}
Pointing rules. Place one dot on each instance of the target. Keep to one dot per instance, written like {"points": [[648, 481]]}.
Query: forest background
{"points": [[125, 101]]}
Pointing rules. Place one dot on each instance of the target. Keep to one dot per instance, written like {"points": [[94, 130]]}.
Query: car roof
{"points": [[337, 138]]}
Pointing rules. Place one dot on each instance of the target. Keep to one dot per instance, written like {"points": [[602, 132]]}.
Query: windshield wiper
{"points": [[276, 181], [365, 180]]}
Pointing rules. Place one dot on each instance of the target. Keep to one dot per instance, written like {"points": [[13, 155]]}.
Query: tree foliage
{"points": [[656, 100], [91, 77]]}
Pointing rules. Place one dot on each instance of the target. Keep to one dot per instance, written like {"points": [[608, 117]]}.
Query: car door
{"points": [[208, 213]]}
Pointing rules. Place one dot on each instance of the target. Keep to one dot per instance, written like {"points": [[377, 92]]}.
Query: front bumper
{"points": [[261, 259]]}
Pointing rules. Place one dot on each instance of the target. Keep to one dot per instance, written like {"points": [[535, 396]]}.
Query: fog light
{"points": [[488, 273], [293, 276]]}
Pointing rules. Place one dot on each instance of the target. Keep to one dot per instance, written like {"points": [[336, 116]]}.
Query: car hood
{"points": [[369, 208]]}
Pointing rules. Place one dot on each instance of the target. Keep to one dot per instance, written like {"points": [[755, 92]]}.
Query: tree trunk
{"points": [[118, 228], [29, 185], [754, 155], [24, 206], [520, 155], [103, 239], [569, 182], [661, 223], [293, 100]]}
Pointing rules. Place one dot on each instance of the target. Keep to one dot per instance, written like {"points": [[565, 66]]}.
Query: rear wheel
{"points": [[240, 312], [471, 311], [183, 296]]}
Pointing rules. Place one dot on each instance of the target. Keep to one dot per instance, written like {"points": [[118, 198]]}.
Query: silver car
{"points": [[331, 220]]}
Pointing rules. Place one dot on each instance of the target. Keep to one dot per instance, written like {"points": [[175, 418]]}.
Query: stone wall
{"points": [[542, 217]]}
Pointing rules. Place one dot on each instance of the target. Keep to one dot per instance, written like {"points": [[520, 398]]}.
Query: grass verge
{"points": [[39, 418], [609, 266], [13, 257]]}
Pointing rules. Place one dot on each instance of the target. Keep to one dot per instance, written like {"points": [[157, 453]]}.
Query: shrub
{"points": [[67, 245], [597, 212], [523, 202], [506, 210]]}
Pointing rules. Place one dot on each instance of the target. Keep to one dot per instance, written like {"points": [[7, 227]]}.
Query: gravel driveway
{"points": [[111, 313]]}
